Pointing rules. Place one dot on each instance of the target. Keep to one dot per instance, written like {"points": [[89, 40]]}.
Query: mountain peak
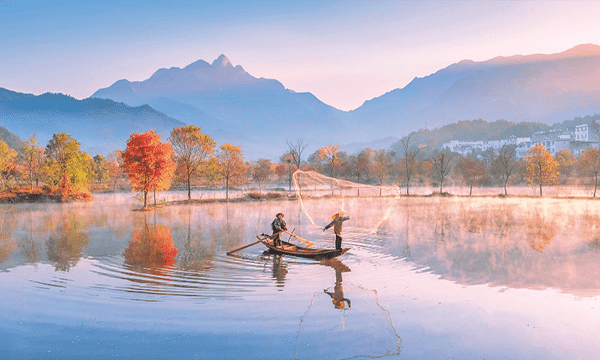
{"points": [[222, 61], [583, 50]]}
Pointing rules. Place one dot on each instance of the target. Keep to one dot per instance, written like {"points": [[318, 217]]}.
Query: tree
{"points": [[100, 167], [541, 167], [442, 166], [296, 150], [589, 165], [231, 165], [115, 167], [472, 172], [329, 154], [503, 165], [31, 158], [148, 163], [8, 158], [288, 159], [381, 164], [566, 164], [64, 159], [262, 172], [408, 162], [192, 148]]}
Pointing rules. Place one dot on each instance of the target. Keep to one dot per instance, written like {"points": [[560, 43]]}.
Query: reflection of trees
{"points": [[540, 233], [151, 248], [65, 246], [519, 243], [7, 242], [337, 296], [199, 251]]}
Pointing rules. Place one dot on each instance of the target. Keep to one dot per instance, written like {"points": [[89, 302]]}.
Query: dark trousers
{"points": [[277, 240], [338, 242]]}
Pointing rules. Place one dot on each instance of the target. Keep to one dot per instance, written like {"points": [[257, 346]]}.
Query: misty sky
{"points": [[344, 52]]}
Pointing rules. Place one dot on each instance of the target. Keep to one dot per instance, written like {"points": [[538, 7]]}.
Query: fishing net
{"points": [[321, 196]]}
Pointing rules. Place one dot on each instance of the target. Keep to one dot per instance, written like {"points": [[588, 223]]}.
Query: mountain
{"points": [[12, 140], [539, 88], [233, 106], [100, 125]]}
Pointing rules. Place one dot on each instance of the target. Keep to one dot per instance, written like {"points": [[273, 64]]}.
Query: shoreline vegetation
{"points": [[58, 195]]}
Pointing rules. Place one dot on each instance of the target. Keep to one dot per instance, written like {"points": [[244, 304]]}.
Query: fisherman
{"points": [[278, 225], [337, 220]]}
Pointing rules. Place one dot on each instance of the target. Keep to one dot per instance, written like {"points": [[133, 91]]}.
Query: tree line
{"points": [[190, 158]]}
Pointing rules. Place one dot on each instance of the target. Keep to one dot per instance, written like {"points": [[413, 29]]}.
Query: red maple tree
{"points": [[148, 162]]}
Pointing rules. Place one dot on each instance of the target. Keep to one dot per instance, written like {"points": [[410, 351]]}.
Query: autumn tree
{"points": [[442, 164], [63, 160], [31, 158], [589, 165], [541, 168], [472, 172], [8, 159], [566, 165], [380, 165], [262, 171], [329, 155], [148, 163], [115, 167], [192, 148], [503, 165], [231, 165]]}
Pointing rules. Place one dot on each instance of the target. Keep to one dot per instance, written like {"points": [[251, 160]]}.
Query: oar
{"points": [[247, 246], [308, 243]]}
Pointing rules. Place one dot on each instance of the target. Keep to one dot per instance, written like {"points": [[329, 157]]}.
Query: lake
{"points": [[425, 278]]}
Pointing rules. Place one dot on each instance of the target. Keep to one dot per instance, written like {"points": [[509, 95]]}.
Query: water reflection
{"points": [[65, 245], [151, 248], [279, 271], [337, 296], [516, 243]]}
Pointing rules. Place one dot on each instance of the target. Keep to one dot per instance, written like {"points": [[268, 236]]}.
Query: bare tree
{"points": [[503, 165], [409, 159], [296, 150], [442, 166]]}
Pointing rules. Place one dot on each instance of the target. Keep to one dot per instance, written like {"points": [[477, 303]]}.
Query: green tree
{"points": [[192, 149], [541, 169], [64, 159], [31, 158], [100, 166]]}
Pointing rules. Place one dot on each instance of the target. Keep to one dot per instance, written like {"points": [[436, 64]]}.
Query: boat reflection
{"points": [[279, 271], [337, 296]]}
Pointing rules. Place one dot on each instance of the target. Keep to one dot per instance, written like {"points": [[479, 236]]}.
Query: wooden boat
{"points": [[295, 250]]}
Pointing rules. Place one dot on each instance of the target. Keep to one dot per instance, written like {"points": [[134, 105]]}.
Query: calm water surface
{"points": [[441, 278]]}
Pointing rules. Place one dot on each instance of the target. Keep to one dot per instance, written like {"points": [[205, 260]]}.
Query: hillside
{"points": [[100, 125], [538, 88]]}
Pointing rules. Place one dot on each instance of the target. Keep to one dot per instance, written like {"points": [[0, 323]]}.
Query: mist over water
{"points": [[441, 277]]}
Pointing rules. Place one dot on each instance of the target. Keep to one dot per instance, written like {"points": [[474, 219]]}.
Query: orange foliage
{"points": [[152, 247], [148, 162]]}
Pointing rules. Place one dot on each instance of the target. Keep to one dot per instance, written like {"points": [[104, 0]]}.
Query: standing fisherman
{"points": [[278, 225], [338, 219]]}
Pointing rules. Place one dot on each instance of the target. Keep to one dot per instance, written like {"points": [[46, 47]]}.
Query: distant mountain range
{"points": [[261, 114], [100, 125]]}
